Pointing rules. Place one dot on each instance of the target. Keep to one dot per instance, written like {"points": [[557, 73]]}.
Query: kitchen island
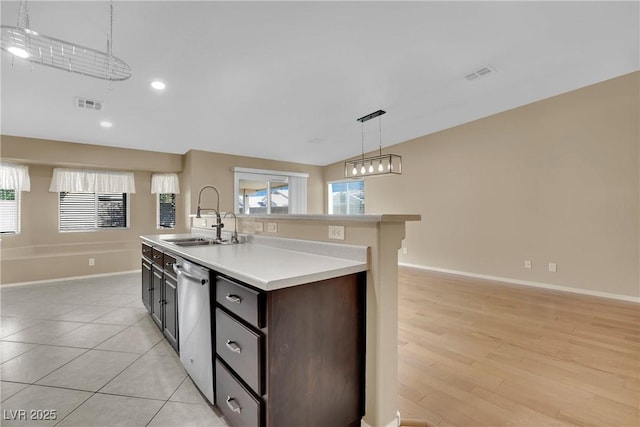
{"points": [[288, 326], [382, 235]]}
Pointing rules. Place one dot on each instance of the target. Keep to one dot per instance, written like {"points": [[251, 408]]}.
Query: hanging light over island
{"points": [[382, 164]]}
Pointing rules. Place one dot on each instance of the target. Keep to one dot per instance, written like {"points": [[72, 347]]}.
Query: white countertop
{"points": [[333, 217], [266, 264]]}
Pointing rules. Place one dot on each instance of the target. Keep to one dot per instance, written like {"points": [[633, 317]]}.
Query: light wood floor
{"points": [[480, 353]]}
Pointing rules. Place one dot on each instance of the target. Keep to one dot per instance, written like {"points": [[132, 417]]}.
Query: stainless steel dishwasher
{"points": [[194, 323]]}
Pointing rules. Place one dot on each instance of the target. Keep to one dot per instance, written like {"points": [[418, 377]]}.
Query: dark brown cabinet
{"points": [[160, 292], [293, 356], [170, 302], [147, 281]]}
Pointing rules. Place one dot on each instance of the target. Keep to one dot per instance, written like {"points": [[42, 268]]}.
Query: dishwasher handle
{"points": [[179, 269]]}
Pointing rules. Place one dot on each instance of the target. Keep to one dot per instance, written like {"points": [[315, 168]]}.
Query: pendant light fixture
{"points": [[382, 164], [24, 43]]}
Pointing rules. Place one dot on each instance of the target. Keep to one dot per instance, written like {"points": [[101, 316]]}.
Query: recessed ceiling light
{"points": [[158, 85], [19, 52], [106, 124]]}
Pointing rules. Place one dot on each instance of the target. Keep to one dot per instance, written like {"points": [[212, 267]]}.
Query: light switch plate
{"points": [[272, 227], [259, 226], [336, 232]]}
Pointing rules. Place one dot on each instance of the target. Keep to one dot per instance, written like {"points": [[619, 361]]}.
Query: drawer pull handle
{"points": [[233, 298], [231, 345], [231, 403], [156, 256]]}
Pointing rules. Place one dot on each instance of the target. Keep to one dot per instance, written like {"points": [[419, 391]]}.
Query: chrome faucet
{"points": [[218, 225], [234, 235]]}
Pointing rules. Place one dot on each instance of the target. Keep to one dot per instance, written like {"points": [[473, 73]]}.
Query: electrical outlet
{"points": [[553, 267], [92, 262], [336, 232], [259, 227], [272, 227], [527, 264], [202, 222], [404, 251]]}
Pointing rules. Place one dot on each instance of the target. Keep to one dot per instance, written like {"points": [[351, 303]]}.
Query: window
{"points": [[269, 196], [93, 211], [9, 212], [166, 210], [346, 197], [270, 192]]}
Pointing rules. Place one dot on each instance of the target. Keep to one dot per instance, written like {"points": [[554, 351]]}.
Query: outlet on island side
{"points": [[272, 227], [92, 262], [527, 264], [259, 227], [553, 267]]}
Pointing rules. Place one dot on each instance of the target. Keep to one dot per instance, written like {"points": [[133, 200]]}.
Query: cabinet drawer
{"points": [[236, 403], [240, 300], [168, 261], [146, 251], [157, 257], [240, 347]]}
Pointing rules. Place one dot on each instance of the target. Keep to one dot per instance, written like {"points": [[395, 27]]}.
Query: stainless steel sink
{"points": [[196, 241]]}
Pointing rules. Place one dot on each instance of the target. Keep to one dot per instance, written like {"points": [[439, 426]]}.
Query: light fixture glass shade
{"points": [[392, 161]]}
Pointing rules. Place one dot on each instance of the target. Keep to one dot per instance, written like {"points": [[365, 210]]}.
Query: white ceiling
{"points": [[287, 80]]}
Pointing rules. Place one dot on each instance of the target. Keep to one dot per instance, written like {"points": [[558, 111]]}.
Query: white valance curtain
{"points": [[89, 181], [162, 183], [14, 177]]}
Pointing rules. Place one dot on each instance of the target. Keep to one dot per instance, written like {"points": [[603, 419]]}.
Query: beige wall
{"points": [[553, 181], [206, 168], [41, 252]]}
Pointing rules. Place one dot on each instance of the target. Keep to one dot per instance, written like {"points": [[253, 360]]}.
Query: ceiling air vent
{"points": [[482, 72], [89, 104]]}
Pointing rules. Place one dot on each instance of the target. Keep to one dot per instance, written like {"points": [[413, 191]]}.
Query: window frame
{"points": [[127, 201], [268, 176], [330, 196]]}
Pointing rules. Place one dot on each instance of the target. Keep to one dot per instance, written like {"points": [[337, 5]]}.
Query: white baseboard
{"points": [[62, 279], [524, 282], [394, 423]]}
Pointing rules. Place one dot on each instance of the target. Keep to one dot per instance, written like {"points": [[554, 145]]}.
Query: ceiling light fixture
{"points": [[382, 164], [27, 44], [158, 85], [106, 124]]}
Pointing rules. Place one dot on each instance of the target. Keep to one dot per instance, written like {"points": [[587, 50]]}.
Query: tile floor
{"points": [[88, 350]]}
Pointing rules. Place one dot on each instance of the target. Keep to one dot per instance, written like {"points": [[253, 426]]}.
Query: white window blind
{"points": [[13, 180], [93, 211], [167, 210], [346, 197], [9, 212]]}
